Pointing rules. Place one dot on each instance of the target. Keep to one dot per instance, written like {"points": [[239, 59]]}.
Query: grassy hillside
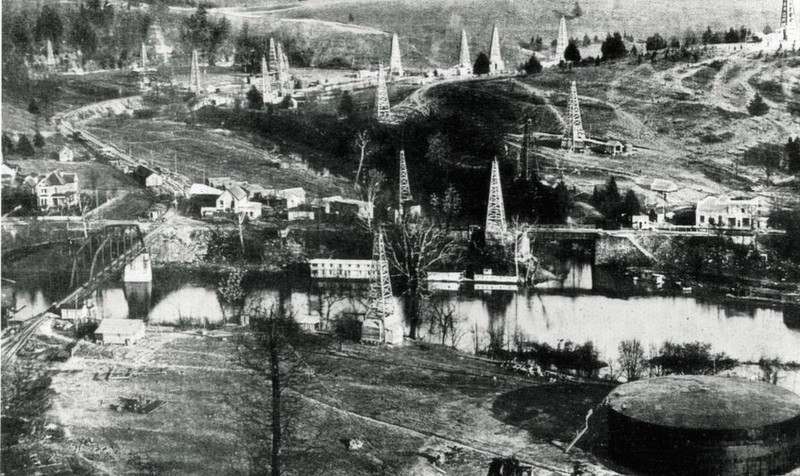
{"points": [[429, 29]]}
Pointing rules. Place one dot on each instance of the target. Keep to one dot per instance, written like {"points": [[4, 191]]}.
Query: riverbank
{"points": [[390, 398]]}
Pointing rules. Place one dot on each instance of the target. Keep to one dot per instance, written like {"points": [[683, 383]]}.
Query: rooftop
{"points": [[704, 402]]}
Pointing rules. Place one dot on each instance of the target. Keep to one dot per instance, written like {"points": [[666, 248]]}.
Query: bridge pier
{"points": [[139, 270]]}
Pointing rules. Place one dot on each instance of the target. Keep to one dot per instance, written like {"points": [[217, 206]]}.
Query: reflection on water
{"points": [[487, 318]]}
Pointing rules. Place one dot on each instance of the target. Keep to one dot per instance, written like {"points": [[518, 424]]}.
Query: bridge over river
{"points": [[102, 254]]}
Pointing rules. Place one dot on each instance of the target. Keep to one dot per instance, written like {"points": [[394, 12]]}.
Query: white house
{"points": [[235, 200], [66, 155], [340, 268], [727, 212], [58, 190], [294, 197], [7, 174], [120, 331]]}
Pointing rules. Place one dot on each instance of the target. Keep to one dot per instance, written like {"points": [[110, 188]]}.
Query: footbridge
{"points": [[103, 254]]}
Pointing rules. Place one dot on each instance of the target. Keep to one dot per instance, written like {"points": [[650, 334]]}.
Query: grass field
{"points": [[395, 400], [203, 152]]}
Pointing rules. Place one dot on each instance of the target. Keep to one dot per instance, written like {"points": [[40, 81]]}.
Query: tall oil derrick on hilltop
{"points": [[395, 63], [463, 52], [563, 39], [404, 195], [496, 64], [790, 29], [383, 110]]}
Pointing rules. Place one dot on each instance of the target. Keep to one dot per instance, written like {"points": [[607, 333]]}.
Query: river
{"points": [[588, 305]]}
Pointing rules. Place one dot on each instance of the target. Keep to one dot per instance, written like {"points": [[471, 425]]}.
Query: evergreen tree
{"points": [[577, 11], [8, 145], [563, 202], [532, 66], [347, 109], [482, 64], [793, 155], [630, 206], [655, 43], [24, 147], [757, 106], [614, 47], [572, 54], [33, 106], [255, 100], [48, 26], [586, 40], [38, 139]]}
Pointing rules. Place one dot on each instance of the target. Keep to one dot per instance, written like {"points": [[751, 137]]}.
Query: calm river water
{"points": [[587, 306]]}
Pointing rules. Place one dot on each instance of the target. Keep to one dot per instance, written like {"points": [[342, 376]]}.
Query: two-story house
{"points": [[236, 200], [727, 212], [58, 189]]}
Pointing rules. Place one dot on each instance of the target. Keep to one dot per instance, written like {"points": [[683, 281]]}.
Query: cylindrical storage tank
{"points": [[700, 425]]}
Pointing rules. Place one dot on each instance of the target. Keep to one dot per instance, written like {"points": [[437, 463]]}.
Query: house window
{"points": [[702, 219], [731, 222], [746, 222]]}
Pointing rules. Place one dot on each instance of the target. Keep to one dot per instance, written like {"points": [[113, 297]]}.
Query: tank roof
{"points": [[705, 402]]}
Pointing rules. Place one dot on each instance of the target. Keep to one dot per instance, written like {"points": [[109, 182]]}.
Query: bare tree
{"points": [[632, 362], [230, 291], [445, 321], [241, 218], [415, 247], [266, 410], [447, 207], [362, 139], [371, 192]]}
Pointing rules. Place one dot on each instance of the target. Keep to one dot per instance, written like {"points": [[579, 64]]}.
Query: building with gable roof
{"points": [[58, 189]]}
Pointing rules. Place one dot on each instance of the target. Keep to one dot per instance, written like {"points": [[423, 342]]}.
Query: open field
{"points": [[407, 404], [202, 152]]}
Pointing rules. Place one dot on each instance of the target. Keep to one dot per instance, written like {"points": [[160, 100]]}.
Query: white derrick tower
{"points": [[382, 108], [790, 29], [51, 59], [528, 143], [574, 136], [563, 39], [273, 59], [405, 189], [496, 64], [496, 211], [463, 52], [395, 64], [144, 57], [381, 323], [266, 86], [194, 74]]}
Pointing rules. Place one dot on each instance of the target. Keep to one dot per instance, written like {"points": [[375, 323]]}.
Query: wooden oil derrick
{"points": [[395, 64], [405, 189], [495, 58], [574, 136], [496, 211], [383, 110]]}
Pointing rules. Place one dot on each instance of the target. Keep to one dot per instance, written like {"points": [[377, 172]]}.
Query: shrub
{"points": [[532, 66], [757, 106]]}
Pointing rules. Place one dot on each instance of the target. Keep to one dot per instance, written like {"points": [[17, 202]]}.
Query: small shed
{"points": [[66, 155], [613, 147], [120, 331], [303, 212]]}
